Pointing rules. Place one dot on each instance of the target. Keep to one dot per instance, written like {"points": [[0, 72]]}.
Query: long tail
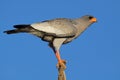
{"points": [[19, 28], [11, 31]]}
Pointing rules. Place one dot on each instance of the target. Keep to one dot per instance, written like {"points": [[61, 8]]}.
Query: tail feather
{"points": [[11, 31], [25, 29], [21, 26]]}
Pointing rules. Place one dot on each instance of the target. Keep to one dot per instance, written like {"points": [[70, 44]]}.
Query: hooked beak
{"points": [[93, 20]]}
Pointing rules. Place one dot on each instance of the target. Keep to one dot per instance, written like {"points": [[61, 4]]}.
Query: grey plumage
{"points": [[57, 31]]}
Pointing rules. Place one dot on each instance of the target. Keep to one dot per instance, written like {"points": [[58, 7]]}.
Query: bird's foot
{"points": [[61, 64]]}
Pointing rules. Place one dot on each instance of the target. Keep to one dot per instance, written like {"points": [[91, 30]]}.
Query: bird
{"points": [[56, 31]]}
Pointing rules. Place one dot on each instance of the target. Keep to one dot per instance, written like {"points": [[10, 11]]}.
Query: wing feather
{"points": [[57, 27]]}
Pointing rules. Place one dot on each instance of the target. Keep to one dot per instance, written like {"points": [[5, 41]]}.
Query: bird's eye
{"points": [[90, 17]]}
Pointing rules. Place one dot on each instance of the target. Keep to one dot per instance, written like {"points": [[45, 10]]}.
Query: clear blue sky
{"points": [[95, 55]]}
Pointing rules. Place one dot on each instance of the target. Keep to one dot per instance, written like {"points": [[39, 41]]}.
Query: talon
{"points": [[62, 64]]}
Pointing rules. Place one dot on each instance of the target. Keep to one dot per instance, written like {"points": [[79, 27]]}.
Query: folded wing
{"points": [[57, 27]]}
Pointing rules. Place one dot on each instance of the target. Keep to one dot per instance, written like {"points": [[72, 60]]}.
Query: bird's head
{"points": [[89, 18], [86, 20]]}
